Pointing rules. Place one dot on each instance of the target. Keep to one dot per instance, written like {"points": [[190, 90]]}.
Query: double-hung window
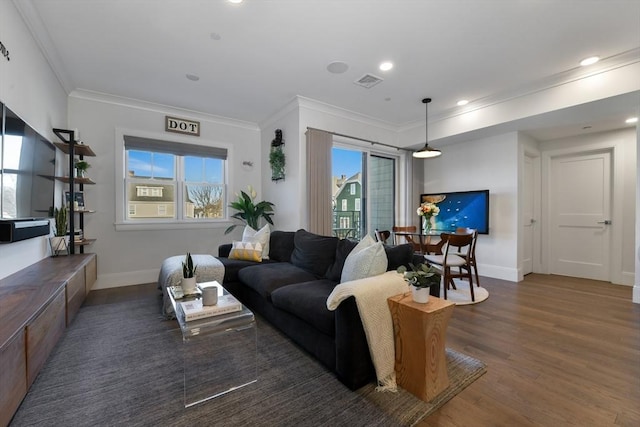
{"points": [[173, 181]]}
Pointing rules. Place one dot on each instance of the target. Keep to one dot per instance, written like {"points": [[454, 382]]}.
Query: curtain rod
{"points": [[359, 139]]}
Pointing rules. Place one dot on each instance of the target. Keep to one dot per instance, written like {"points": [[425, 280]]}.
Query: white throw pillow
{"points": [[261, 236], [367, 259]]}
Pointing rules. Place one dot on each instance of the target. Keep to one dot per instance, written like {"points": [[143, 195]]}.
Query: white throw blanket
{"points": [[371, 298]]}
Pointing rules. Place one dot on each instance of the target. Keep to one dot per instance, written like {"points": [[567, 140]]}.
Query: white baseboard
{"points": [[116, 280], [497, 272], [636, 294]]}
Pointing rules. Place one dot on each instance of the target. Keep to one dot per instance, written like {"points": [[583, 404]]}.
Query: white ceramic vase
{"points": [[188, 285], [420, 295]]}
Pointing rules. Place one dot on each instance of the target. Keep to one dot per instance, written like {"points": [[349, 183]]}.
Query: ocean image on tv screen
{"points": [[465, 209]]}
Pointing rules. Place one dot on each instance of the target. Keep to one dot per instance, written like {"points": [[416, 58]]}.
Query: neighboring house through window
{"points": [[171, 180]]}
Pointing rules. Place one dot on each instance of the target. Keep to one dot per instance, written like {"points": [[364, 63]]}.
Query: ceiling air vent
{"points": [[368, 81]]}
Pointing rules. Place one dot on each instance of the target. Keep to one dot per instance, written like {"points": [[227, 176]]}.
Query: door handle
{"points": [[605, 222]]}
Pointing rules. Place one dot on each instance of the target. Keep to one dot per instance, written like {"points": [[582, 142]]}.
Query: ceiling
{"points": [[253, 58]]}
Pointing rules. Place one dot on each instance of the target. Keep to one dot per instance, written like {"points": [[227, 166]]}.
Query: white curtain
{"points": [[319, 208]]}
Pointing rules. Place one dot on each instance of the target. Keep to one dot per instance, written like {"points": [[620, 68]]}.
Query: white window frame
{"points": [[121, 224], [345, 205]]}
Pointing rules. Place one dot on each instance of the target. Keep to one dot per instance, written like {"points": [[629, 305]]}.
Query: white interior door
{"points": [[580, 208], [528, 220]]}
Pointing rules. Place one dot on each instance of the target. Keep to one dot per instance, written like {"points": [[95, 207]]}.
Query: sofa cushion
{"points": [[248, 251], [266, 278], [233, 266], [365, 260], [308, 301], [399, 255], [261, 236], [344, 248], [313, 253], [281, 245]]}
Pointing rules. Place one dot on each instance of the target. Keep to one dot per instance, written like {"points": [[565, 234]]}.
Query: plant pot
{"points": [[58, 245], [420, 295], [189, 285]]}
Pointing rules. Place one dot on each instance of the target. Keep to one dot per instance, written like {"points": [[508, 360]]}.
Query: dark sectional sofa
{"points": [[290, 290]]}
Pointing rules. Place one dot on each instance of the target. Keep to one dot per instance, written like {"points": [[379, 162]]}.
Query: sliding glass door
{"points": [[363, 192]]}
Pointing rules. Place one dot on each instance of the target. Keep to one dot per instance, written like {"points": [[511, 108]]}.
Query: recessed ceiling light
{"points": [[193, 77], [589, 61], [337, 67], [631, 120], [386, 66], [462, 102], [235, 1]]}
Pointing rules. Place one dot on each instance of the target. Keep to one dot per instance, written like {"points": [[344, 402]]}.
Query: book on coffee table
{"points": [[194, 310]]}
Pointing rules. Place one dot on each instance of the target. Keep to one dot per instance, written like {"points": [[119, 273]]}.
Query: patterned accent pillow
{"points": [[367, 259], [261, 236], [246, 251]]}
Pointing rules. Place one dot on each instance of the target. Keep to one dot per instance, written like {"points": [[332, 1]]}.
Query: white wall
{"points": [[134, 256], [636, 286], [30, 89], [489, 163], [284, 194]]}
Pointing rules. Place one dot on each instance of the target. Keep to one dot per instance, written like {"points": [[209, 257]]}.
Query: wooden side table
{"points": [[420, 332]]}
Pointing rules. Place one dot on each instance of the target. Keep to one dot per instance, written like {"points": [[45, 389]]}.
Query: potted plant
{"points": [[81, 167], [421, 277], [250, 213], [59, 241], [277, 162], [277, 157], [188, 275]]}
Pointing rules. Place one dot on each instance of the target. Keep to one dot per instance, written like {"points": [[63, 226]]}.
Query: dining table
{"points": [[424, 243]]}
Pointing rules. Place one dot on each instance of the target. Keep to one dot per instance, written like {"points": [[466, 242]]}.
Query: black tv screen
{"points": [[26, 170], [461, 209]]}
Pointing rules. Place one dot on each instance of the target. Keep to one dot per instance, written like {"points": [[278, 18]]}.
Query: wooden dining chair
{"points": [[472, 254], [454, 260], [409, 238], [382, 235]]}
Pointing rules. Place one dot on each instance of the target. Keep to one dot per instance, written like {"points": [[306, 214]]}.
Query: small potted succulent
{"points": [[420, 277], [188, 275]]}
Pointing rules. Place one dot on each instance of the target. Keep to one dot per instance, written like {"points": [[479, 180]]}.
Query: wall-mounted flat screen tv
{"points": [[461, 209], [27, 167]]}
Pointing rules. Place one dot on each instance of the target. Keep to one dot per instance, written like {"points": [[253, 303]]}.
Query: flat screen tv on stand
{"points": [[460, 209]]}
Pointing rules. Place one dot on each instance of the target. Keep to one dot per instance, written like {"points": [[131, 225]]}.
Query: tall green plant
{"points": [[60, 216], [250, 212]]}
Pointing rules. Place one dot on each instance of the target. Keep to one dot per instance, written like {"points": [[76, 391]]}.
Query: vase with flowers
{"points": [[420, 277], [427, 211]]}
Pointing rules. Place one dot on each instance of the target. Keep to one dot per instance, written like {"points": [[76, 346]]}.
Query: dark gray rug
{"points": [[118, 364]]}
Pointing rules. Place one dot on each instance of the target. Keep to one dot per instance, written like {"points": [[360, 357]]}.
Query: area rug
{"points": [[462, 295], [117, 364]]}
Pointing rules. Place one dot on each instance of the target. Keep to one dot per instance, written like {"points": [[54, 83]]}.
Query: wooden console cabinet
{"points": [[36, 305]]}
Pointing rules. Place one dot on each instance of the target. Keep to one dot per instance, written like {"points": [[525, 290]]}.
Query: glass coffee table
{"points": [[218, 352]]}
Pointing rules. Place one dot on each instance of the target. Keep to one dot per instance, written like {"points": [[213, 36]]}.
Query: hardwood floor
{"points": [[560, 351]]}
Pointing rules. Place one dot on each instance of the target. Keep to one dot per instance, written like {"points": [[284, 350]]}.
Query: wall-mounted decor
{"points": [[4, 51], [460, 209], [276, 157], [174, 124]]}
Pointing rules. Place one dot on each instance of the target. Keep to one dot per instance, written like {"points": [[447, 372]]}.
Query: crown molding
{"points": [[611, 63], [39, 32], [159, 108]]}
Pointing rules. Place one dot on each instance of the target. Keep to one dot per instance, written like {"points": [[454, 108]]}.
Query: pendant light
{"points": [[427, 152]]}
